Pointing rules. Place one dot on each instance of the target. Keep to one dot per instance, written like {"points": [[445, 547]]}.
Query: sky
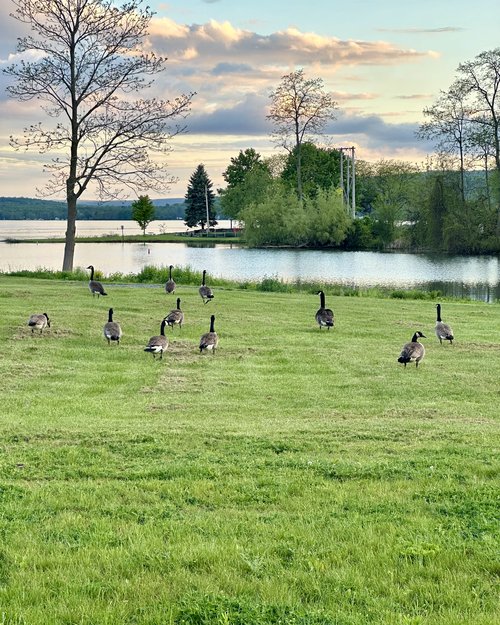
{"points": [[384, 61]]}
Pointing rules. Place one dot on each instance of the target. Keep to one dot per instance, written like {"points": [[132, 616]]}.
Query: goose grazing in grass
{"points": [[170, 284], [210, 340], [176, 316], [413, 351], [324, 316], [443, 330], [94, 285], [158, 344], [204, 290], [112, 330], [39, 322]]}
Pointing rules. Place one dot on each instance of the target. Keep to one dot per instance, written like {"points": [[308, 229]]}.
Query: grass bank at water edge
{"points": [[186, 275], [297, 476]]}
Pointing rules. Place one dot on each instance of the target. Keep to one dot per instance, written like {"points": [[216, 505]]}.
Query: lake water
{"points": [[475, 277]]}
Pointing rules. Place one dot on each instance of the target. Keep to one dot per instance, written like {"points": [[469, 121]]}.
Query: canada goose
{"points": [[324, 316], [175, 316], [112, 330], [94, 285], [413, 351], [205, 291], [158, 344], [170, 285], [39, 322], [210, 340], [443, 330]]}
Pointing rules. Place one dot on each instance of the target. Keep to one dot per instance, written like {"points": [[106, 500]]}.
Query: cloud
{"points": [[373, 132], [224, 64], [247, 117], [420, 31], [231, 68], [217, 42], [234, 70], [414, 96], [344, 96]]}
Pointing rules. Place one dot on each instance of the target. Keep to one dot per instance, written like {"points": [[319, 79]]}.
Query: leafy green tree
{"points": [[247, 177], [200, 200], [437, 212], [143, 212], [252, 190], [320, 169], [469, 228], [300, 109], [87, 59], [282, 219], [360, 234], [240, 165], [327, 218], [279, 219], [391, 185]]}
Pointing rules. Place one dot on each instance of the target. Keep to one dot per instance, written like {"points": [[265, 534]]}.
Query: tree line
{"points": [[29, 208]]}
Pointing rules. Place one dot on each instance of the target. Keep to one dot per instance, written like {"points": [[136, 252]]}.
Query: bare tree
{"points": [[300, 108], [480, 78], [448, 122], [90, 62]]}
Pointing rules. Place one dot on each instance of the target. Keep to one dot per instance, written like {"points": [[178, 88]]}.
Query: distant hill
{"points": [[29, 208]]}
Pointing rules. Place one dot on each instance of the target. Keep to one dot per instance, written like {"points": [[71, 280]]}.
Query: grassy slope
{"points": [[297, 476]]}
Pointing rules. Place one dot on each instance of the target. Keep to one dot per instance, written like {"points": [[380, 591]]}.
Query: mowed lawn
{"points": [[297, 476]]}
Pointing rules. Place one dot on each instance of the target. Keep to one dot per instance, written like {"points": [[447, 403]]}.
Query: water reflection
{"points": [[479, 291]]}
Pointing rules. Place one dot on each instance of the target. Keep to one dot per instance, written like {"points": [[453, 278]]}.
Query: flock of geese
{"points": [[157, 344], [412, 351]]}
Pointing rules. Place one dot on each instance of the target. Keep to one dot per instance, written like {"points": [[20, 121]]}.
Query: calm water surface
{"points": [[476, 277]]}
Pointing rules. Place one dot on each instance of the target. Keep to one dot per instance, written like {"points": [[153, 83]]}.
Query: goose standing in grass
{"points": [[170, 284], [94, 285], [204, 290], [210, 340], [112, 330], [39, 322], [324, 316], [158, 344], [443, 330], [175, 316], [413, 351]]}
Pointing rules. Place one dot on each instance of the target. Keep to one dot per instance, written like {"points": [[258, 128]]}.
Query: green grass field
{"points": [[296, 477]]}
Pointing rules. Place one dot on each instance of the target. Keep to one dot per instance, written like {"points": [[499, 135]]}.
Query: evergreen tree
{"points": [[143, 212], [199, 196]]}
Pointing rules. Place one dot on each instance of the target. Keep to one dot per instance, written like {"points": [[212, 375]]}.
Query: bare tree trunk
{"points": [[69, 247], [497, 199], [299, 173], [462, 175]]}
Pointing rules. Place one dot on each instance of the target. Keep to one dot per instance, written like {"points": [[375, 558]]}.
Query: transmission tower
{"points": [[348, 185]]}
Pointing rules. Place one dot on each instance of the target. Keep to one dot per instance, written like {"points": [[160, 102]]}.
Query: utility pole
{"points": [[349, 189]]}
